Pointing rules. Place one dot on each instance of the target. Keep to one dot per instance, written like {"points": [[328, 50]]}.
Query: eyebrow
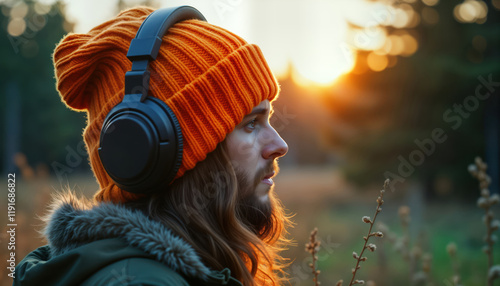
{"points": [[260, 110]]}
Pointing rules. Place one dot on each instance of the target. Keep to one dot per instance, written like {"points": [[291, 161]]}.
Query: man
{"points": [[219, 222]]}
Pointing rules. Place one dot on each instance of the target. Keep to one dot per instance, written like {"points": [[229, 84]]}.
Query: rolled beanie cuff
{"points": [[211, 106]]}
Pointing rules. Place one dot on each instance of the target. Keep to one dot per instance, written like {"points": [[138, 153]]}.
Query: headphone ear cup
{"points": [[141, 140], [141, 145]]}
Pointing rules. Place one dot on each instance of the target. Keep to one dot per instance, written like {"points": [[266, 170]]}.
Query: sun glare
{"points": [[323, 66], [319, 53]]}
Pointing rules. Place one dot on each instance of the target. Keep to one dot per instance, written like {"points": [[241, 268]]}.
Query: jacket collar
{"points": [[72, 222]]}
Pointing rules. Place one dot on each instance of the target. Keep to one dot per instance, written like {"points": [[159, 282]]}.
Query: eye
{"points": [[251, 125]]}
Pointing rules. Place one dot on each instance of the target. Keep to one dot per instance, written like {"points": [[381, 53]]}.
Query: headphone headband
{"points": [[146, 45], [147, 41]]}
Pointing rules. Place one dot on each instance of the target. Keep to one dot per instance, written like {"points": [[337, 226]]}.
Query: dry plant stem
{"points": [[315, 279], [478, 170], [483, 184], [489, 241], [314, 271], [313, 248], [380, 201]]}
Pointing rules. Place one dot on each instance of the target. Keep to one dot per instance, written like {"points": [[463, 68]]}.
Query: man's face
{"points": [[253, 147]]}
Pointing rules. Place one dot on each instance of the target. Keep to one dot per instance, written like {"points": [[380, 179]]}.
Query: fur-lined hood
{"points": [[72, 222], [84, 238]]}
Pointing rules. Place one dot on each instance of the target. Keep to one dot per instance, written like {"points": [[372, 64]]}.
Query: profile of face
{"points": [[253, 147]]}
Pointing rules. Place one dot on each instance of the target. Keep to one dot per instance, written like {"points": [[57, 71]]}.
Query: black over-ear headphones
{"points": [[141, 140]]}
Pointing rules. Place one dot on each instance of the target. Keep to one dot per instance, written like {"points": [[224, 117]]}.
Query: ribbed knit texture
{"points": [[210, 78]]}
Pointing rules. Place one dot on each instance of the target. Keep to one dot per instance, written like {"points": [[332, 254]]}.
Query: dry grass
{"points": [[334, 209], [420, 263]]}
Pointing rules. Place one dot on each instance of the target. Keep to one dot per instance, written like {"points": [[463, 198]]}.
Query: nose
{"points": [[275, 146]]}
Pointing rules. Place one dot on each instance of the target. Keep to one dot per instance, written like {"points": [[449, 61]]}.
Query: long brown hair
{"points": [[206, 207]]}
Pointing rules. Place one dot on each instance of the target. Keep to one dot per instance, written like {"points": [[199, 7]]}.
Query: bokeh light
{"points": [[377, 62], [464, 12], [397, 45], [430, 2], [410, 45], [414, 19], [430, 16], [16, 27], [401, 18], [496, 4], [471, 11], [20, 10], [385, 49], [41, 8]]}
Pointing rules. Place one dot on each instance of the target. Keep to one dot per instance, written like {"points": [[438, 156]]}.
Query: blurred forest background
{"points": [[418, 104]]}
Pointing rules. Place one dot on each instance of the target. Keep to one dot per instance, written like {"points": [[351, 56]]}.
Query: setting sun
{"points": [[324, 66]]}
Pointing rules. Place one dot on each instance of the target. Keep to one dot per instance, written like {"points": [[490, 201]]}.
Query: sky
{"points": [[310, 35]]}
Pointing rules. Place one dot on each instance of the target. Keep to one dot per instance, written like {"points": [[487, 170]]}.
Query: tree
{"points": [[31, 31]]}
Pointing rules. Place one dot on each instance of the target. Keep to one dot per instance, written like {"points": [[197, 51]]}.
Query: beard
{"points": [[255, 212]]}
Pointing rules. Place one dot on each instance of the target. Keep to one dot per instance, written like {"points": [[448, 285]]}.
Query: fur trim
{"points": [[73, 222]]}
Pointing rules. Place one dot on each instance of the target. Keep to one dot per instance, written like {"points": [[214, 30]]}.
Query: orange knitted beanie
{"points": [[209, 77]]}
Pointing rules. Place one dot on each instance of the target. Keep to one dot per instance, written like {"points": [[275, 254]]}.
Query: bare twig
{"points": [[486, 201], [372, 247], [313, 247]]}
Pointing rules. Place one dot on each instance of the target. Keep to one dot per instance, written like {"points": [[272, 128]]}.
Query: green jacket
{"points": [[112, 245]]}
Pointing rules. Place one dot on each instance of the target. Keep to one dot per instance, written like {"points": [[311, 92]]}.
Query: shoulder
{"points": [[136, 271]]}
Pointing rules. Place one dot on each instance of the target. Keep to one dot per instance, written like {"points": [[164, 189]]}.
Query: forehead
{"points": [[264, 104]]}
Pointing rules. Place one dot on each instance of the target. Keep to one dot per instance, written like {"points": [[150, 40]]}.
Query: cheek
{"points": [[243, 151]]}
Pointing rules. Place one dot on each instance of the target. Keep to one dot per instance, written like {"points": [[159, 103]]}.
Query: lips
{"points": [[270, 175], [268, 179]]}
